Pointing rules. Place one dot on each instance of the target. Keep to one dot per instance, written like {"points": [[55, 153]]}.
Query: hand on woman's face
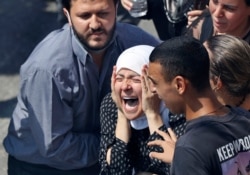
{"points": [[114, 94], [127, 92], [150, 100]]}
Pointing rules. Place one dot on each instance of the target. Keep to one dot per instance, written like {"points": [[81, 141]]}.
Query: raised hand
{"points": [[193, 15], [150, 101], [115, 96]]}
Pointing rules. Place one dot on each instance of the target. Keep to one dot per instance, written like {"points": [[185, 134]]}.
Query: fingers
{"points": [[114, 95], [144, 86], [113, 84], [172, 134], [127, 4], [144, 79], [191, 20], [156, 143], [149, 99], [168, 146], [193, 15], [168, 150], [157, 155], [164, 135], [113, 78]]}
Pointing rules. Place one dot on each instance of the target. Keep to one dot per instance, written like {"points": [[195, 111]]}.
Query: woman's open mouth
{"points": [[130, 104]]}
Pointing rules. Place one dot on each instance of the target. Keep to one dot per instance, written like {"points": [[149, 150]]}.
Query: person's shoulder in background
{"points": [[131, 35]]}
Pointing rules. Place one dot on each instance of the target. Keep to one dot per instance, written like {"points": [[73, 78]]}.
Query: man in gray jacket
{"points": [[55, 125]]}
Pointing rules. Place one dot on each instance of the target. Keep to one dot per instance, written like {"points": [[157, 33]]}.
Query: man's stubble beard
{"points": [[95, 49]]}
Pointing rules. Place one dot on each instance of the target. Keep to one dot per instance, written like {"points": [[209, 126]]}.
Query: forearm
{"points": [[70, 150], [154, 122], [158, 119], [78, 150], [67, 148], [119, 162], [53, 124], [117, 155], [123, 130]]}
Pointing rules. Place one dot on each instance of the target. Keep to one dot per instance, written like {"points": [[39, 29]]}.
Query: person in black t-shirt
{"points": [[214, 139]]}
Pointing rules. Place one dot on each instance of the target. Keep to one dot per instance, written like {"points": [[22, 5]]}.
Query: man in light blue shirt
{"points": [[55, 125]]}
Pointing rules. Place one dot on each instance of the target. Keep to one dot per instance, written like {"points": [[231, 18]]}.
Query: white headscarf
{"points": [[134, 59]]}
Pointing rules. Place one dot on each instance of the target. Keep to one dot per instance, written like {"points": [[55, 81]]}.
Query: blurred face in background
{"points": [[128, 86], [93, 22], [230, 16]]}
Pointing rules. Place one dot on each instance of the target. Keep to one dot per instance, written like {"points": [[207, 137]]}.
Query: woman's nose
{"points": [[218, 12], [126, 84]]}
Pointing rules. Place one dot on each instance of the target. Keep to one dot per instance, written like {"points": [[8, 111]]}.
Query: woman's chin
{"points": [[133, 115]]}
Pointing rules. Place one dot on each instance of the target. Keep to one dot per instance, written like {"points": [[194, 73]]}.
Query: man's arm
{"points": [[52, 120]]}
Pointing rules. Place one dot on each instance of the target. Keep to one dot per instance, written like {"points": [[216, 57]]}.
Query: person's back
{"points": [[214, 145], [56, 121]]}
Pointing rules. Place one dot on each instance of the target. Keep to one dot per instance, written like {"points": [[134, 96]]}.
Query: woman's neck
{"points": [[243, 101], [246, 103], [245, 30]]}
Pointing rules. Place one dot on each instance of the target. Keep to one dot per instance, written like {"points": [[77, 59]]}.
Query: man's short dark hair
{"points": [[66, 3], [184, 56]]}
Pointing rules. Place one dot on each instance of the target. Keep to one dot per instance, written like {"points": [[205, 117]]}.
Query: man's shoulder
{"points": [[241, 114], [125, 29], [54, 50], [55, 41], [208, 127]]}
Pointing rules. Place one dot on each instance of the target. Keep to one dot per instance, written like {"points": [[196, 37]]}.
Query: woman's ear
{"points": [[66, 13], [217, 83]]}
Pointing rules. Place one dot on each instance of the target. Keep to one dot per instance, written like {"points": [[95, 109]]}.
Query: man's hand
{"points": [[168, 146]]}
